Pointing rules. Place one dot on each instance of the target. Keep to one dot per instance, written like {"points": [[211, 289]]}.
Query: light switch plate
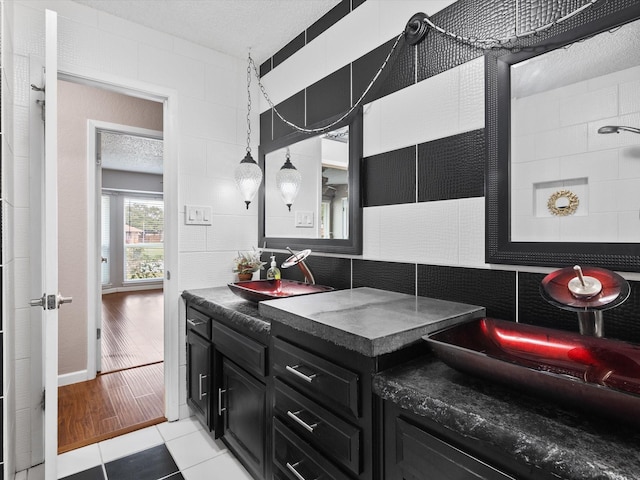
{"points": [[304, 219], [197, 215]]}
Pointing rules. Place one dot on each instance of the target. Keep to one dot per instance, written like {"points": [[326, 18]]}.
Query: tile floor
{"points": [[172, 451]]}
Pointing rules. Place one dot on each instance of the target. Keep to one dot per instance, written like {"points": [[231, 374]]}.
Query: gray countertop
{"points": [[241, 314], [568, 444], [369, 321]]}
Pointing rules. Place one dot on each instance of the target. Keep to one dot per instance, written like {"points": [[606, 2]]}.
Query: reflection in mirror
{"points": [[559, 101], [560, 188], [321, 208]]}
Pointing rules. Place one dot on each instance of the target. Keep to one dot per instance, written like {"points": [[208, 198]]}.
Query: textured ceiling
{"points": [[131, 153], [228, 26]]}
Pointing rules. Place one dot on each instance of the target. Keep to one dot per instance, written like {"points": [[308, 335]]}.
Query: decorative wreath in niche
{"points": [[563, 203]]}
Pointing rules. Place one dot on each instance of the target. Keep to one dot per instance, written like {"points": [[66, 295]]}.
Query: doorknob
{"points": [[50, 302], [39, 302], [60, 299], [104, 259]]}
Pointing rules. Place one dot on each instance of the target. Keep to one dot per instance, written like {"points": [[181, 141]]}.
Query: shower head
{"points": [[617, 129]]}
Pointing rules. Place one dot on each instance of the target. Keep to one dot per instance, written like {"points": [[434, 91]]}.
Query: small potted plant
{"points": [[246, 263]]}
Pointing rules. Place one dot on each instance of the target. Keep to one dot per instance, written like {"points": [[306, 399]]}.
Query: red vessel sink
{"points": [[257, 290], [586, 372]]}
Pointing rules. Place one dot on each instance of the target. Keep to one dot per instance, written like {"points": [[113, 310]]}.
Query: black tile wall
{"points": [[329, 19], [289, 49], [329, 96], [330, 271], [447, 168], [265, 67], [389, 178], [293, 110], [620, 323], [397, 74], [493, 289], [396, 277], [451, 167], [266, 124]]}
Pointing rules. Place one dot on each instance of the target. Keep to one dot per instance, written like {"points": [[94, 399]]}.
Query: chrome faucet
{"points": [[587, 293], [298, 259]]}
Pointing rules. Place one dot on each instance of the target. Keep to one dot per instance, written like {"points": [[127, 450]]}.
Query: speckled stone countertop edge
{"points": [[557, 447], [221, 302]]}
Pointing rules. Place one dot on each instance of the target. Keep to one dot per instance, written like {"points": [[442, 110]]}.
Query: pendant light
{"points": [[248, 174], [288, 181]]}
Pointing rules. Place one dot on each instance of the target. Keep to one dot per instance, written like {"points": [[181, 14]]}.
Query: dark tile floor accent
{"points": [[153, 464]]}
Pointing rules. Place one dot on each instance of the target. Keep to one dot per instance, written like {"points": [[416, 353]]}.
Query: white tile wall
{"points": [[366, 28], [211, 103]]}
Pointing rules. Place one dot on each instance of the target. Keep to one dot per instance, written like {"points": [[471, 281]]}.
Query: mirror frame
{"points": [[349, 246], [499, 247]]}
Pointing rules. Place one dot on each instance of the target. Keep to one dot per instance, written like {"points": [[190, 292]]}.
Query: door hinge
{"points": [[98, 333], [42, 402]]}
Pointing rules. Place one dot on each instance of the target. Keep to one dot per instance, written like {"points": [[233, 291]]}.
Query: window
{"points": [[143, 239]]}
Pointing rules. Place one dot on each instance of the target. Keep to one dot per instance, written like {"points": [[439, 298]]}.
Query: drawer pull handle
{"points": [[220, 409], [200, 378], [292, 469], [299, 421], [306, 378], [195, 323]]}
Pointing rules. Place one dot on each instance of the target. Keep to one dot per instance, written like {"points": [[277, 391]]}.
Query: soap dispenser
{"points": [[273, 273]]}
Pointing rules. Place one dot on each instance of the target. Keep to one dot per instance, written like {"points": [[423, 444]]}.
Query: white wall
{"points": [[211, 107]]}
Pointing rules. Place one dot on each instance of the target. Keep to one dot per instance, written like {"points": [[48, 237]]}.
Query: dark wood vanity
{"points": [[343, 388]]}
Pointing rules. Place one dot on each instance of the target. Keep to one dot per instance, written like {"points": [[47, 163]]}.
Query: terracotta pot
{"points": [[245, 276]]}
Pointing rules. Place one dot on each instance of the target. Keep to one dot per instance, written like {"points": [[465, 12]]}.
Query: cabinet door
{"points": [[243, 403], [199, 376], [420, 455]]}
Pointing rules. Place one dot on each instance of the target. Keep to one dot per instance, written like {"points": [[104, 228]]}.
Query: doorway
{"points": [[130, 393]]}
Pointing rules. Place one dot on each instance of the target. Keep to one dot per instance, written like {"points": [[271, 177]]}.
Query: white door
{"points": [[51, 299]]}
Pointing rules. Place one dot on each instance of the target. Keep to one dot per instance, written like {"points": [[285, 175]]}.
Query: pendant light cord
{"points": [[249, 105], [343, 116]]}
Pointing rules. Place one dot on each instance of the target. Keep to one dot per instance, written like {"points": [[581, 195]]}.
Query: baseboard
{"points": [[132, 288], [73, 377]]}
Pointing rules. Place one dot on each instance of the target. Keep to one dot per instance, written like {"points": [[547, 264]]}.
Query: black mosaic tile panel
{"points": [[389, 178], [493, 289], [391, 276], [330, 271], [1, 317], [452, 167], [534, 310], [289, 49], [293, 110], [1, 435], [620, 323], [95, 473], [398, 73], [265, 67], [266, 124], [356, 3], [438, 53], [534, 14], [1, 364], [150, 464], [329, 19], [329, 96]]}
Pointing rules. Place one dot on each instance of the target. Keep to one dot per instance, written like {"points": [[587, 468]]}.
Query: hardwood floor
{"points": [[129, 393], [132, 329]]}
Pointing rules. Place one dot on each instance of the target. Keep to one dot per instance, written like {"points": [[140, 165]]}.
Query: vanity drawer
{"points": [[247, 353], [295, 459], [319, 378], [318, 426], [199, 323]]}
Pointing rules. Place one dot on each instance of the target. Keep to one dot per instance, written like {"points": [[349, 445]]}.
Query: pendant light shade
{"points": [[248, 177], [288, 181]]}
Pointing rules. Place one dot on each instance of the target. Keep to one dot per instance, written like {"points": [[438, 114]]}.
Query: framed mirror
{"points": [[325, 216], [562, 182]]}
